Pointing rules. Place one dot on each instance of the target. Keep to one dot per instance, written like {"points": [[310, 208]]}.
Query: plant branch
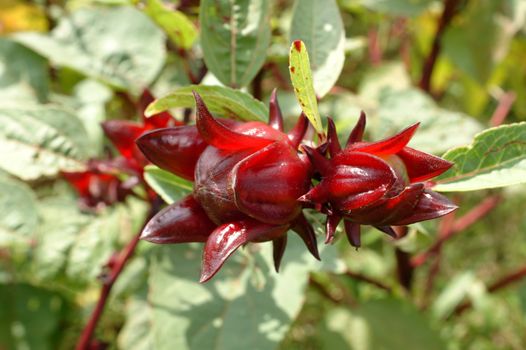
{"points": [[496, 286], [372, 281], [116, 264], [471, 217], [503, 108], [430, 61], [404, 269]]}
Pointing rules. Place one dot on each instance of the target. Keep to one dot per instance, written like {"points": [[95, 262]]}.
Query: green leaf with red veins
{"points": [[319, 25], [301, 77], [221, 101], [179, 28], [496, 158], [235, 36]]}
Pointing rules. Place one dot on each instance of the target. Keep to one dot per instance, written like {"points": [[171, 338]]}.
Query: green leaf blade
{"points": [[118, 45], [319, 25], [235, 36], [301, 77], [496, 158], [170, 187], [41, 141], [179, 28], [226, 102], [19, 217]]}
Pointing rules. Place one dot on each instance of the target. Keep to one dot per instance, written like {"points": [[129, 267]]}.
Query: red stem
{"points": [[429, 63], [503, 108], [360, 277], [116, 267], [475, 214], [495, 286], [375, 51], [404, 269]]}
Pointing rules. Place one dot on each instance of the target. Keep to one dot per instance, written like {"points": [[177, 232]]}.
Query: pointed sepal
{"points": [[182, 222], [353, 232], [388, 146], [225, 239], [332, 138], [275, 119], [220, 136], [422, 166], [304, 229], [278, 249], [174, 149], [358, 131]]}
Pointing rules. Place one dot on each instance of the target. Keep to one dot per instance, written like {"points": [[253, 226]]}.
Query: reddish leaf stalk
{"points": [[375, 51], [372, 281], [503, 108], [429, 63], [116, 267], [404, 268], [445, 227], [496, 286], [459, 225]]}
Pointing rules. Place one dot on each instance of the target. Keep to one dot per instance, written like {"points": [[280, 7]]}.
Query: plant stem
{"points": [[495, 286], [503, 108], [375, 50], [116, 265], [429, 63], [372, 281], [475, 214], [404, 269]]}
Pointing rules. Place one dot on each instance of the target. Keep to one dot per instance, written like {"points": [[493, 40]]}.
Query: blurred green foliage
{"points": [[65, 66]]}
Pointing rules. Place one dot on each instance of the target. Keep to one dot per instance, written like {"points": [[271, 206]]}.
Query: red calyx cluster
{"points": [[252, 180], [102, 182]]}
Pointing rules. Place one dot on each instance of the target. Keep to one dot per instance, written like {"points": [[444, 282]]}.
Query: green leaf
{"points": [[40, 141], [170, 187], [301, 77], [455, 292], [90, 102], [398, 7], [439, 128], [496, 158], [472, 43], [319, 25], [30, 317], [96, 241], [224, 101], [383, 325], [19, 217], [246, 297], [136, 333], [177, 26], [235, 36], [23, 74], [119, 45]]}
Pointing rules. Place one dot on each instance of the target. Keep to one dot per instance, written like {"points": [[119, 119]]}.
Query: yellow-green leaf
{"points": [[301, 77], [179, 28]]}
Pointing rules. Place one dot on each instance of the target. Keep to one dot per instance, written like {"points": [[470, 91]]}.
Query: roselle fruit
{"points": [[247, 176], [123, 133], [379, 183], [252, 181], [99, 185]]}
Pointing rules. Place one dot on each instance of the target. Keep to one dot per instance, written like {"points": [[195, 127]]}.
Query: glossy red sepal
{"points": [[182, 222], [174, 149], [226, 238], [220, 136]]}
